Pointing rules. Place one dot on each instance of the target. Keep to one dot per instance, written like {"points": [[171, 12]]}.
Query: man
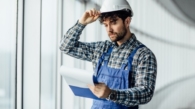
{"points": [[125, 68]]}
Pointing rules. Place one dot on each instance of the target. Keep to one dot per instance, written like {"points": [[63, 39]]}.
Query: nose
{"points": [[109, 28]]}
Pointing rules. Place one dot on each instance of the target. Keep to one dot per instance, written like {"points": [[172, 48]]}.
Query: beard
{"points": [[118, 36]]}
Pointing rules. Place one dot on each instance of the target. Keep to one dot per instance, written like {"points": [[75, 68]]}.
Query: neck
{"points": [[127, 37]]}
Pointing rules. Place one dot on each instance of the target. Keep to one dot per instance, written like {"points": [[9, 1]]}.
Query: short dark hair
{"points": [[123, 14]]}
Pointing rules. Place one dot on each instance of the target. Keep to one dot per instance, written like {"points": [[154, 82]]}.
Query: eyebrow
{"points": [[112, 20]]}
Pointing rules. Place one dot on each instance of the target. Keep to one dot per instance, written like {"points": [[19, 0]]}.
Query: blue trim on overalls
{"points": [[114, 78]]}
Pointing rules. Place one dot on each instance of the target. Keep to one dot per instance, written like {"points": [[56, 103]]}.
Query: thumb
{"points": [[96, 17], [91, 87]]}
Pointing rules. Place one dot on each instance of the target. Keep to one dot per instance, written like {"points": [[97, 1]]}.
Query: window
{"points": [[7, 54]]}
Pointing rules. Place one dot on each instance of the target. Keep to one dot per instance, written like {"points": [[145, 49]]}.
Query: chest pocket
{"points": [[112, 81]]}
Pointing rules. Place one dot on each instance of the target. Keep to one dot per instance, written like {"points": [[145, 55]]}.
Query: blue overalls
{"points": [[113, 78]]}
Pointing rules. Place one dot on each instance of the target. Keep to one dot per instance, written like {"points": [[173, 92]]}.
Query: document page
{"points": [[78, 79]]}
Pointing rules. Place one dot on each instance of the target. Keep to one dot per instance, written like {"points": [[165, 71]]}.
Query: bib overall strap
{"points": [[105, 56], [130, 59]]}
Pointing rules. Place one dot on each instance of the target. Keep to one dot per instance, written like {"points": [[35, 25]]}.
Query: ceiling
{"points": [[182, 9]]}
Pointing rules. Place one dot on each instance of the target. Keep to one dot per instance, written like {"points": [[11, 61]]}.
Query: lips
{"points": [[111, 34]]}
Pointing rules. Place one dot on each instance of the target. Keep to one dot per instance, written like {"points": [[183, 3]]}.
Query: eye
{"points": [[113, 22], [105, 25]]}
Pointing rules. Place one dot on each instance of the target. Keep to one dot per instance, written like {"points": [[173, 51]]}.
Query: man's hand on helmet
{"points": [[89, 16]]}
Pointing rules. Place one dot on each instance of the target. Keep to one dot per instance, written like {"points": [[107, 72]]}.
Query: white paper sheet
{"points": [[78, 79]]}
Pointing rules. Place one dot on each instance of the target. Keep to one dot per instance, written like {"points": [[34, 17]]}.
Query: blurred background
{"points": [[30, 32]]}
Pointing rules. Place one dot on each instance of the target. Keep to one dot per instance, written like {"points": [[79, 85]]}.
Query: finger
{"points": [[101, 84], [95, 84], [98, 13], [94, 11], [96, 17], [89, 12], [90, 86], [98, 87]]}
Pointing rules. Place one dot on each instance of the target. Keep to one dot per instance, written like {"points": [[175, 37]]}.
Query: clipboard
{"points": [[78, 79]]}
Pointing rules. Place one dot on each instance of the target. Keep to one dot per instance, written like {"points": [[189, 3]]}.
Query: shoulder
{"points": [[145, 54]]}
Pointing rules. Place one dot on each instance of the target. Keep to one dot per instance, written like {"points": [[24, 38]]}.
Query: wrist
{"points": [[81, 22], [112, 95]]}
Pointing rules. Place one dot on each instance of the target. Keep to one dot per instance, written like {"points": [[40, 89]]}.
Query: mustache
{"points": [[112, 32]]}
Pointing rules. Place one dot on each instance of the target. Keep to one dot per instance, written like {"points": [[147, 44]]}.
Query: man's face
{"points": [[115, 28]]}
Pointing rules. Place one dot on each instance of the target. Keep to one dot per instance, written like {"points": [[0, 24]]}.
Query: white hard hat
{"points": [[115, 5]]}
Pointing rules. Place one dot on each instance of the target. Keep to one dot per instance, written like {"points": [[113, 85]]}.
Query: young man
{"points": [[125, 68]]}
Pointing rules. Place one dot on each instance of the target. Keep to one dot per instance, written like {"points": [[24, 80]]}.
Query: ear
{"points": [[127, 22]]}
